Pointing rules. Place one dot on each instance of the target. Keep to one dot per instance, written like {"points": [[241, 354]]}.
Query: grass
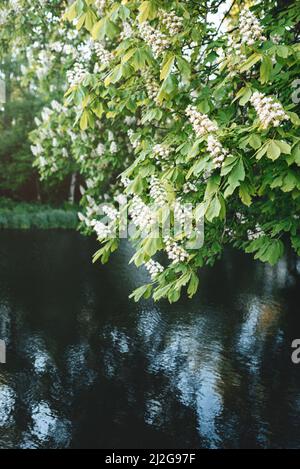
{"points": [[25, 216]]}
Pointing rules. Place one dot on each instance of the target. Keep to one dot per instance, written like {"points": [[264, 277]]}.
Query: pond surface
{"points": [[87, 368]]}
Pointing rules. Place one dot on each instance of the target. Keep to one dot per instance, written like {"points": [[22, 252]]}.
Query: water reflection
{"points": [[87, 368]]}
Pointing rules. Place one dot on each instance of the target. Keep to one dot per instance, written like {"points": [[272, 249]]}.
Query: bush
{"points": [[20, 215]]}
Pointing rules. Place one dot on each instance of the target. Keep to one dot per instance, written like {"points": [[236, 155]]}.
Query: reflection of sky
{"points": [[44, 421], [46, 426], [7, 403], [192, 366]]}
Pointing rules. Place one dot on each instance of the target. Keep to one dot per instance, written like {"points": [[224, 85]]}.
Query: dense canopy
{"points": [[173, 112]]}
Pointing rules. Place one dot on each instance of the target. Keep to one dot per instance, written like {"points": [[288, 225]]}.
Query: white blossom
{"points": [[175, 252], [77, 74], [154, 268], [269, 111], [127, 31], [155, 38], [201, 123], [100, 6], [104, 56], [250, 29], [161, 152], [172, 22], [157, 191], [151, 85], [134, 140], [142, 216], [100, 150], [113, 147], [102, 230], [216, 150], [189, 187], [256, 233], [110, 211]]}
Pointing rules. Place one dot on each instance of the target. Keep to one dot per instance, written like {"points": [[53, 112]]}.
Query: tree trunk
{"points": [[7, 92], [72, 188], [38, 189]]}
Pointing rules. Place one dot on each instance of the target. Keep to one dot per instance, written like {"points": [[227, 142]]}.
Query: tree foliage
{"points": [[195, 107]]}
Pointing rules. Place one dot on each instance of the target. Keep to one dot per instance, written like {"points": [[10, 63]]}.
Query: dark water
{"points": [[89, 369]]}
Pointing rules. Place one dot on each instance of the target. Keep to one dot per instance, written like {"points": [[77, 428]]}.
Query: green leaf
{"points": [[84, 120], [212, 187], [167, 66], [284, 147], [143, 291], [238, 173], [296, 154], [246, 96], [214, 209], [267, 249], [265, 69], [273, 150], [244, 194], [148, 11], [184, 68], [290, 182], [151, 245], [282, 51], [90, 20], [161, 292], [80, 21], [254, 141], [252, 60], [229, 164]]}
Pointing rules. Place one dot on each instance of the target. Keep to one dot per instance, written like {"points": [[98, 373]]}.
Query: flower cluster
{"points": [[151, 85], [183, 216], [113, 147], [154, 268], [15, 6], [172, 22], [103, 54], [129, 120], [189, 187], [110, 211], [249, 27], [77, 74], [236, 48], [103, 231], [141, 214], [161, 152], [100, 5], [175, 252], [4, 14], [100, 150], [134, 140], [216, 150], [201, 123], [156, 39], [270, 112], [256, 233], [157, 191], [127, 31]]}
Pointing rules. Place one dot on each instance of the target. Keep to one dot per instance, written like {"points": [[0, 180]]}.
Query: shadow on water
{"points": [[87, 368]]}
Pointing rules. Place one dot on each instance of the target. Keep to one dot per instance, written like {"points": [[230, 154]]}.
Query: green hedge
{"points": [[26, 216]]}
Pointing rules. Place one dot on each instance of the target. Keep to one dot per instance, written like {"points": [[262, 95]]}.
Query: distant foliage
{"points": [[26, 216]]}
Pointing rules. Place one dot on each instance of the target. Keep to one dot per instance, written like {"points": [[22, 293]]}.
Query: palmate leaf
{"points": [[266, 249]]}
